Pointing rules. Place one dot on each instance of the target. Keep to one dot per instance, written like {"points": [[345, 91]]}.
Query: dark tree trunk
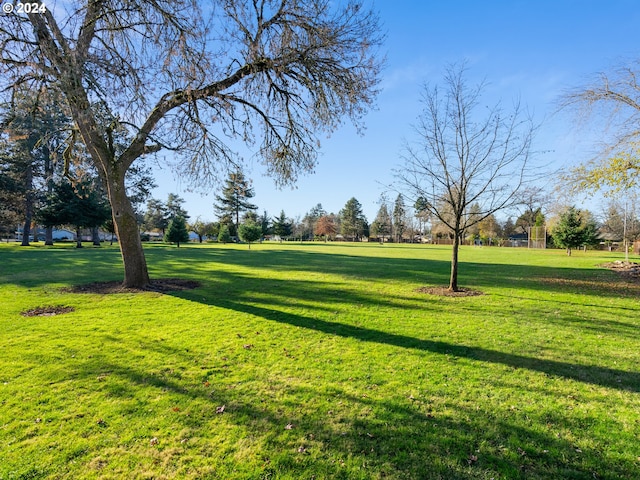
{"points": [[48, 173], [28, 205], [78, 238], [453, 280], [95, 236], [48, 235]]}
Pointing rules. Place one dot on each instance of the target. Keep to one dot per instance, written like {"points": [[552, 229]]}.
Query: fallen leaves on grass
{"points": [[629, 270]]}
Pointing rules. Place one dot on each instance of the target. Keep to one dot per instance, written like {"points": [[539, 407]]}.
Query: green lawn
{"points": [[320, 361]]}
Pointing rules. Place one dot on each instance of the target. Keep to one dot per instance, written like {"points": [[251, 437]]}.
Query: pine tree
{"points": [[234, 198], [399, 218], [574, 229], [353, 221], [381, 226], [177, 231], [282, 226], [80, 205]]}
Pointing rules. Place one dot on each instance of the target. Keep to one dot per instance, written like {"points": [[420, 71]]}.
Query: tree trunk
{"points": [[48, 173], [28, 206], [136, 274], [453, 280], [48, 235], [78, 238], [95, 236]]}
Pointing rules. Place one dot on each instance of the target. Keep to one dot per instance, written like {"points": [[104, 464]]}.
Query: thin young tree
{"points": [[192, 77], [465, 154]]}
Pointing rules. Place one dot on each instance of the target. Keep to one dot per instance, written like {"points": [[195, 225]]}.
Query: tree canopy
{"points": [[193, 78], [249, 232]]}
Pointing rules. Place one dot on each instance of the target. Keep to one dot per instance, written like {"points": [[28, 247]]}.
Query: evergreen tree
{"points": [[381, 226], [156, 217], [174, 207], [265, 223], [249, 232], [223, 234], [32, 131], [231, 227], [79, 205], [308, 224], [177, 231], [399, 218], [575, 229], [234, 198], [282, 226], [353, 221]]}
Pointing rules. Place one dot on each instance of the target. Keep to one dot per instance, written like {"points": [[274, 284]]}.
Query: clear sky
{"points": [[527, 49]]}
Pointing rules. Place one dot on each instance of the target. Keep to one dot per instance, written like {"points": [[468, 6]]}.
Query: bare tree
{"points": [[190, 78], [465, 155]]}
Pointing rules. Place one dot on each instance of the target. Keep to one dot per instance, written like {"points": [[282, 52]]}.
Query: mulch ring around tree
{"points": [[160, 285], [47, 311], [445, 292], [627, 270]]}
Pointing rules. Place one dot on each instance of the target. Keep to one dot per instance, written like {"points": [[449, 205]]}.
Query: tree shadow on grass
{"points": [[597, 375], [358, 436]]}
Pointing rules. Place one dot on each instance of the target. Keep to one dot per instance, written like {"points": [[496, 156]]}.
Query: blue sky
{"points": [[531, 50]]}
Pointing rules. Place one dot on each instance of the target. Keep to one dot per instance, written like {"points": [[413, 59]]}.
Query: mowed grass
{"points": [[314, 361]]}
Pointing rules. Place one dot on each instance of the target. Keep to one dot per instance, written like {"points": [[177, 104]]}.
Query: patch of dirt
{"points": [[160, 285], [445, 292], [628, 270], [47, 311]]}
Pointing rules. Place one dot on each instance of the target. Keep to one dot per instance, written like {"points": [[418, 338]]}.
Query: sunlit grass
{"points": [[320, 361]]}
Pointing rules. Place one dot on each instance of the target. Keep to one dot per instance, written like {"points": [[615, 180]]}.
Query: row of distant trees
{"points": [[46, 179], [395, 221]]}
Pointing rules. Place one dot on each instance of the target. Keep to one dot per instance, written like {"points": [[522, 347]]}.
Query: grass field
{"points": [[314, 361]]}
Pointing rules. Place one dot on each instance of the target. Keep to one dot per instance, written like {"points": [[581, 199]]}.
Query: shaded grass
{"points": [[538, 378]]}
